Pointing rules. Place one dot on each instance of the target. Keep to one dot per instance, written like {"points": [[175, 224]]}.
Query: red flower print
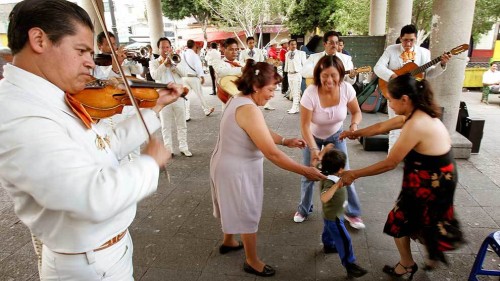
{"points": [[414, 180], [448, 168], [424, 175], [423, 193]]}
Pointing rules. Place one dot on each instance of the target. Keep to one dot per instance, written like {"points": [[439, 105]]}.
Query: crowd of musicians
{"points": [[76, 178]]}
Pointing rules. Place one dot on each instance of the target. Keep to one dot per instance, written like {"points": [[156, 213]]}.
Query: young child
{"points": [[335, 237]]}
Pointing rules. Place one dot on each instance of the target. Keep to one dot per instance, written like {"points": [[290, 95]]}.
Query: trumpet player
{"points": [[129, 67], [166, 69]]}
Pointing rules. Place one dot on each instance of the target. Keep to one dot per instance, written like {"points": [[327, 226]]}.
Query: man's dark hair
{"points": [[213, 45], [329, 34], [341, 40], [250, 38], [101, 37], [292, 40], [230, 41], [190, 44], [408, 29], [57, 18], [163, 39]]}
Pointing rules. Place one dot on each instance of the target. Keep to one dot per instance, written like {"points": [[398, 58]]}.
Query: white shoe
{"points": [[355, 222], [298, 217], [269, 108], [186, 153], [209, 111], [292, 111]]}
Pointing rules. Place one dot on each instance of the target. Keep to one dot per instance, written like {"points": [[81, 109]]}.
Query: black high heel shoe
{"points": [[392, 270]]}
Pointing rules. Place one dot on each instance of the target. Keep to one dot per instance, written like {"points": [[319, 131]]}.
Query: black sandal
{"points": [[268, 271], [392, 270], [223, 249]]}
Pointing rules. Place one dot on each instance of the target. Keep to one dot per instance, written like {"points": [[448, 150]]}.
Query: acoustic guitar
{"points": [[226, 88], [363, 69], [418, 71]]}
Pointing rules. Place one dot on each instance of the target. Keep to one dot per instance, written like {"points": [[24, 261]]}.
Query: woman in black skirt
{"points": [[424, 208]]}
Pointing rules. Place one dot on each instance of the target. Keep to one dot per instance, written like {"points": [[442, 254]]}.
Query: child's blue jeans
{"points": [[335, 235]]}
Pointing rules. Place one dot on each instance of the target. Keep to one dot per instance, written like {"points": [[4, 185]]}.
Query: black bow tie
{"points": [[251, 53], [292, 55]]}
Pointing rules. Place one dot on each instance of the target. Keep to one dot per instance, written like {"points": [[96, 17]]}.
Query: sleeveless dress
{"points": [[424, 209], [236, 174]]}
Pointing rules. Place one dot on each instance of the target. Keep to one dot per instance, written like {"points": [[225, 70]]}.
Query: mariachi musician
{"points": [[229, 66]]}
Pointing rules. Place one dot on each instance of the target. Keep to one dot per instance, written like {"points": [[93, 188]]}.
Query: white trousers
{"points": [[195, 84], [174, 114], [113, 263], [394, 134], [294, 81]]}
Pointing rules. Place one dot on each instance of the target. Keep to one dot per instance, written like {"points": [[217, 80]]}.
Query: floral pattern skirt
{"points": [[424, 208]]}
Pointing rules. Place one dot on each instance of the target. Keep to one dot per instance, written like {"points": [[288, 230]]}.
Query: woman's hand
{"points": [[168, 96], [295, 142], [347, 177], [315, 158], [313, 174]]}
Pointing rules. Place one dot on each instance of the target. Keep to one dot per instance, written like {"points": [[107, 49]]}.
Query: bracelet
{"points": [[353, 123], [283, 141]]}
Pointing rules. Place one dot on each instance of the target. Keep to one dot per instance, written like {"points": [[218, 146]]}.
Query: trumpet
{"points": [[173, 57], [141, 53]]}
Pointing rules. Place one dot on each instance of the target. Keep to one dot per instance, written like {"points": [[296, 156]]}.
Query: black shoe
{"points": [[354, 270], [187, 120], [213, 94], [329, 250], [409, 270], [268, 271], [223, 249]]}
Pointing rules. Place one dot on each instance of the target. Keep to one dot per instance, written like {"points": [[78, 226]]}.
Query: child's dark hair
{"points": [[333, 161]]}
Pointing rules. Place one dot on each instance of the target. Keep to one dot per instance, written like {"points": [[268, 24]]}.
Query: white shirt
{"points": [[192, 62], [212, 55], [163, 74], [223, 68], [490, 77], [71, 194], [129, 67], [297, 63], [308, 70], [391, 60], [257, 55]]}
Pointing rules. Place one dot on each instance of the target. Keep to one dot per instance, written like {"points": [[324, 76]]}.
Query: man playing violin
{"points": [[130, 67], [397, 55], [63, 176], [165, 70]]}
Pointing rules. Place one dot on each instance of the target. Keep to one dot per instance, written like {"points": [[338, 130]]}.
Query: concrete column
{"points": [[89, 8], [399, 16], [451, 26], [378, 13], [155, 22]]}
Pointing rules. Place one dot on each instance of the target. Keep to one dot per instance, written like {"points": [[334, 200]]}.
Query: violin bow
{"points": [[122, 74]]}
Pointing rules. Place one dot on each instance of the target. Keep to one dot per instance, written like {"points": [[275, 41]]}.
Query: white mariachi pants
{"points": [[195, 84], [294, 81], [393, 134], [174, 114], [113, 263]]}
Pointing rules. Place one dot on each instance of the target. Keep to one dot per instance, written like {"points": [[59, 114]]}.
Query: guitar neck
{"points": [[423, 67]]}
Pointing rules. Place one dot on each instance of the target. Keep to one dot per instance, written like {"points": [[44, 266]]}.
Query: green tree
{"points": [[305, 16], [352, 16], [178, 10]]}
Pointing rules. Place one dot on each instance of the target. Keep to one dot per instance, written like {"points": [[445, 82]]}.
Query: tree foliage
{"points": [[352, 16], [306, 15]]}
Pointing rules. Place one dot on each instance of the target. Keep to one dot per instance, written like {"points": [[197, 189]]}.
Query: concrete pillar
{"points": [[155, 22], [378, 13], [451, 26], [399, 16], [89, 8]]}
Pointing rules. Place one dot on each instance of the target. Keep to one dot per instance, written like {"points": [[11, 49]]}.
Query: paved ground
{"points": [[176, 237]]}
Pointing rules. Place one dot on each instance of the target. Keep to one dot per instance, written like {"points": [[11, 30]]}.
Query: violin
{"points": [[105, 98]]}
